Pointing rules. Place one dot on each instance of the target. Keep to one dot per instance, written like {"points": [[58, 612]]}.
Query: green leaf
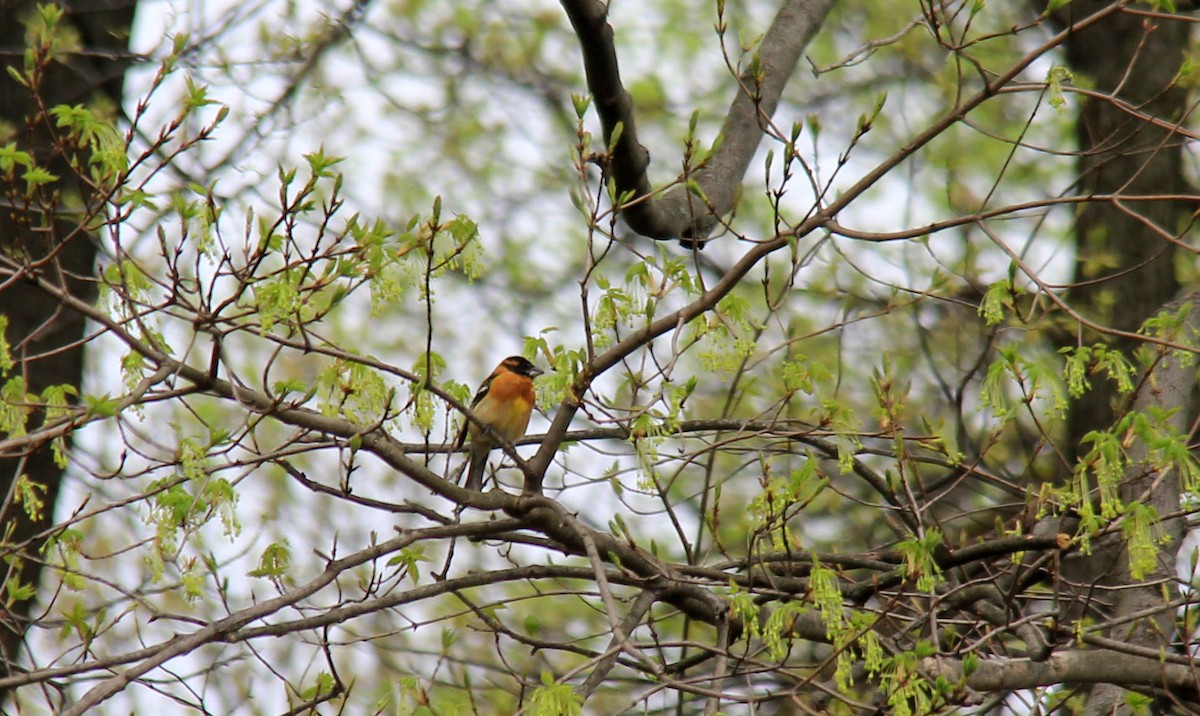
{"points": [[411, 559], [6, 359], [319, 164], [919, 558], [35, 177], [14, 73], [30, 496], [56, 399], [274, 562], [999, 296], [553, 699], [197, 95], [15, 407], [16, 591], [11, 157], [617, 131], [581, 102], [324, 685], [1056, 77]]}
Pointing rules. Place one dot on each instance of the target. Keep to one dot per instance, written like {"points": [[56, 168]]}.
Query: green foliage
{"points": [[410, 697], [125, 284], [17, 591], [1105, 462], [614, 305], [580, 103], [909, 692], [50, 39], [195, 95], [354, 391], [274, 562], [35, 178], [270, 283], [777, 631], [919, 558], [133, 369], [193, 463], [11, 158], [96, 137], [183, 504], [1057, 76], [867, 641], [15, 406], [1082, 361], [945, 441], [867, 121], [1166, 448], [63, 552], [193, 581], [30, 496], [839, 417], [1171, 327], [1031, 380], [554, 699], [374, 258], [57, 402], [784, 496], [1000, 296], [742, 606], [849, 631], [103, 406], [727, 335], [410, 560], [325, 685], [422, 404], [79, 621], [1142, 704], [1141, 531], [286, 296], [800, 374]]}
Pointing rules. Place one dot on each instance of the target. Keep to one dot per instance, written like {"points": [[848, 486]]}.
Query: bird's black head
{"points": [[521, 366]]}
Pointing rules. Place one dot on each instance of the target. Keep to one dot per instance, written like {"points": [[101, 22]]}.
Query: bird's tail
{"points": [[478, 465]]}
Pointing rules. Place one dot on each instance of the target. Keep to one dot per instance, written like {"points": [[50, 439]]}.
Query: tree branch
{"points": [[185, 644], [680, 214], [1084, 667]]}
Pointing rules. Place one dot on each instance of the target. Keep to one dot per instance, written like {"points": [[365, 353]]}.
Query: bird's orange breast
{"points": [[507, 406], [510, 386]]}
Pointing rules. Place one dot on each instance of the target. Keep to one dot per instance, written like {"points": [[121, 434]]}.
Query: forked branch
{"points": [[680, 214]]}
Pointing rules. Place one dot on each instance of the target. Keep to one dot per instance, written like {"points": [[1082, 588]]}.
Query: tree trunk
{"points": [[45, 339], [1124, 274], [1125, 259]]}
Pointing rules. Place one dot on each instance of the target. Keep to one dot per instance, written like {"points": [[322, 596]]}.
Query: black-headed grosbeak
{"points": [[504, 403]]}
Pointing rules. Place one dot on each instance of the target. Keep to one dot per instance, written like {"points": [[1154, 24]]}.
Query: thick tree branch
{"points": [[1084, 667], [680, 214]]}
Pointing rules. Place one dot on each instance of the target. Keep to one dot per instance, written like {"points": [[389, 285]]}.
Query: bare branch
{"points": [[1084, 667], [680, 214]]}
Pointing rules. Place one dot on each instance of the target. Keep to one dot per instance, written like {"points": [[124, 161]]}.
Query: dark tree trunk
{"points": [[1125, 272], [44, 337], [1125, 268]]}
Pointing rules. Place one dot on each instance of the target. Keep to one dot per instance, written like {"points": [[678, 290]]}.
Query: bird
{"points": [[504, 403]]}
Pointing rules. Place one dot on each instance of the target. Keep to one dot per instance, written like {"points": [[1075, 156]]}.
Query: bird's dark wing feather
{"points": [[479, 395]]}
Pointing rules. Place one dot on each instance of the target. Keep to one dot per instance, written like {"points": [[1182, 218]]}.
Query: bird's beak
{"points": [[535, 372]]}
